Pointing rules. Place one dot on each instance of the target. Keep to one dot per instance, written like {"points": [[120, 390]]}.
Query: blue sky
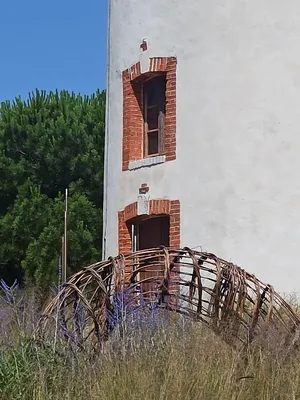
{"points": [[56, 44]]}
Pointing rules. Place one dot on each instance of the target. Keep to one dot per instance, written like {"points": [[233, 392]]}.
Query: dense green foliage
{"points": [[49, 143]]}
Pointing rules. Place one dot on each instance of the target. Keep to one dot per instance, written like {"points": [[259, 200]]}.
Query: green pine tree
{"points": [[50, 142]]}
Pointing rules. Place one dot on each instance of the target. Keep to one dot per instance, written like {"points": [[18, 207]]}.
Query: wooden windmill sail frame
{"points": [[198, 285]]}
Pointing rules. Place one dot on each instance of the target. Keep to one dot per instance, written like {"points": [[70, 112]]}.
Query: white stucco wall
{"points": [[237, 172]]}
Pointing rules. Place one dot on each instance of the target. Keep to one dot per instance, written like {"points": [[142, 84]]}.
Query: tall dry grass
{"points": [[158, 358]]}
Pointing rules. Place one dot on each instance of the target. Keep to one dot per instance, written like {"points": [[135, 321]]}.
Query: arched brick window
{"points": [[149, 113], [129, 216]]}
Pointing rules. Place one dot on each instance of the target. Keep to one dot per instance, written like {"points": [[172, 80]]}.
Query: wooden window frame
{"points": [[161, 118], [135, 225], [133, 119], [156, 207]]}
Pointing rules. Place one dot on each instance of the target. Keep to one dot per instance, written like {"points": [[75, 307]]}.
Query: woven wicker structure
{"points": [[197, 285]]}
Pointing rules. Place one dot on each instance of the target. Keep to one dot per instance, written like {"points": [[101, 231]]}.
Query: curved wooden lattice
{"points": [[198, 285]]}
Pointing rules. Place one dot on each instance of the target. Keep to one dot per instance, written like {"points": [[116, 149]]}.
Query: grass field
{"points": [[158, 359]]}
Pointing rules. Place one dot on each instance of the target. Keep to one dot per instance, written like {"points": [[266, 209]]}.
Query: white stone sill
{"points": [[146, 162]]}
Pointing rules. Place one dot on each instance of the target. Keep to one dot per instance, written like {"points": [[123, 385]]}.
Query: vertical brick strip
{"points": [[124, 236], [175, 239], [175, 224], [133, 130], [132, 121], [170, 133]]}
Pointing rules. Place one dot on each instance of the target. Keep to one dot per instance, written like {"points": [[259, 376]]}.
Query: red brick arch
{"points": [[157, 207]]}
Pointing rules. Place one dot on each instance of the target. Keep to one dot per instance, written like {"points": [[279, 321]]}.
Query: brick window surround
{"points": [[133, 122], [156, 207]]}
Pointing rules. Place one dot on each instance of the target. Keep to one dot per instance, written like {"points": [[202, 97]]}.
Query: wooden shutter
{"points": [[162, 114], [161, 132], [157, 89]]}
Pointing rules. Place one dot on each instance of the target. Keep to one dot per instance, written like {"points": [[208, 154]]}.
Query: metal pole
{"points": [[59, 270], [63, 273], [65, 238]]}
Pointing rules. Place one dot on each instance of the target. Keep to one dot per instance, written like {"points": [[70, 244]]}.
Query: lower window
{"points": [[146, 234]]}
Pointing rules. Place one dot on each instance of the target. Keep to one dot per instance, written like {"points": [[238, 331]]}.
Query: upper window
{"points": [[154, 109], [149, 114]]}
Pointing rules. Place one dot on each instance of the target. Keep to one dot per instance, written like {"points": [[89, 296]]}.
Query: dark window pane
{"points": [[152, 143], [152, 118], [155, 91], [150, 93], [154, 109], [154, 232]]}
